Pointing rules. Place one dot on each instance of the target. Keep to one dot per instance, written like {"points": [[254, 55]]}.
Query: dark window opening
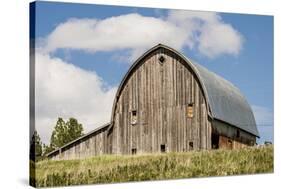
{"points": [[237, 133], [215, 141], [163, 148], [161, 59], [190, 145], [134, 151], [190, 110], [134, 117]]}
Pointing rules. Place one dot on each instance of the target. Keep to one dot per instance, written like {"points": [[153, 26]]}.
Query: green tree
{"points": [[65, 132], [35, 147], [47, 149], [75, 129], [59, 135]]}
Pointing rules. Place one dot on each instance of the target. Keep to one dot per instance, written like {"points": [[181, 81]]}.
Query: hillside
{"points": [[111, 168]]}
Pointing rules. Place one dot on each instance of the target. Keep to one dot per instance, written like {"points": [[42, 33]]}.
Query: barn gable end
{"points": [[172, 113]]}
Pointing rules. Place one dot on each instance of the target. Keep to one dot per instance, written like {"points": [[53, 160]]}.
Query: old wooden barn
{"points": [[168, 103]]}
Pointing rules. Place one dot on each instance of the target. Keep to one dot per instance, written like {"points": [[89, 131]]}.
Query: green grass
{"points": [[111, 168]]}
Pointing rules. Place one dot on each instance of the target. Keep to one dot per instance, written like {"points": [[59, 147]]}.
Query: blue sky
{"points": [[242, 53]]}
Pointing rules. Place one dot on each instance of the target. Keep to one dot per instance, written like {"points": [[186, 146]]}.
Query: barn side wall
{"points": [[92, 145], [160, 94], [231, 137]]}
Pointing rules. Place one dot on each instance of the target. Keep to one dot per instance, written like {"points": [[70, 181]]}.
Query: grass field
{"points": [[111, 168]]}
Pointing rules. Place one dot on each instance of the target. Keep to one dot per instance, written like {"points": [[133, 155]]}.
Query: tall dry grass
{"points": [[112, 168]]}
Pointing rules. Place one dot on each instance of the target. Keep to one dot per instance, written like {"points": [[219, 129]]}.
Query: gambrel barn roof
{"points": [[225, 101]]}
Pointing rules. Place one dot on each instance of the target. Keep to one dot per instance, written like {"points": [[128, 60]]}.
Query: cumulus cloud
{"points": [[131, 31], [64, 90], [209, 32], [204, 31]]}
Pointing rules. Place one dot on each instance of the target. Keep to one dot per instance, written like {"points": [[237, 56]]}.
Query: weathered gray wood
{"points": [[94, 144], [160, 93]]}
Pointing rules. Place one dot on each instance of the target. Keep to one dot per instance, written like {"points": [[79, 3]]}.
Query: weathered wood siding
{"points": [[230, 143], [231, 137], [92, 145], [160, 94]]}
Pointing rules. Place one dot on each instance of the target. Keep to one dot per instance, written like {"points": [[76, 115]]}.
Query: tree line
{"points": [[63, 133]]}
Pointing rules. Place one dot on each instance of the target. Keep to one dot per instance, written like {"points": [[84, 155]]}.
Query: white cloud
{"points": [[216, 39], [131, 31], [64, 90], [207, 29], [204, 31]]}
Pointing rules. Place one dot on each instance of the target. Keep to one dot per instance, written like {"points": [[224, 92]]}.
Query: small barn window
{"points": [[161, 59], [190, 110], [134, 151], [134, 117], [163, 148], [190, 145]]}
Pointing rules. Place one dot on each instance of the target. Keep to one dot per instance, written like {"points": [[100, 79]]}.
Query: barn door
{"points": [[215, 141]]}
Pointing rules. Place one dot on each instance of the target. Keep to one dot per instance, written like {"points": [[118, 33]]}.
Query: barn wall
{"points": [[160, 93], [92, 145], [228, 138]]}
